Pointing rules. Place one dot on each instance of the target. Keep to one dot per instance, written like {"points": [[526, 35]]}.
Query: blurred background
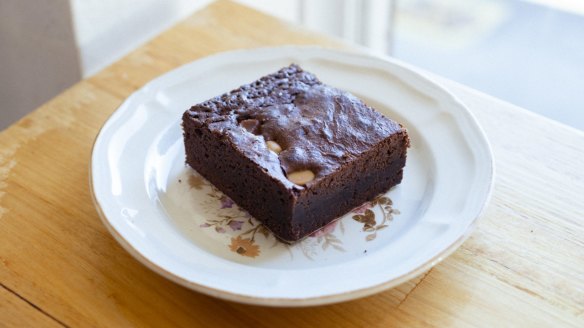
{"points": [[527, 52]]}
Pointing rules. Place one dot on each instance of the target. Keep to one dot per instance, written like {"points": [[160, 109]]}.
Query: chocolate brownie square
{"points": [[294, 152]]}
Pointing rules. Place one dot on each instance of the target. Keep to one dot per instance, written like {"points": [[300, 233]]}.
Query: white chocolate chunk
{"points": [[274, 146], [301, 177]]}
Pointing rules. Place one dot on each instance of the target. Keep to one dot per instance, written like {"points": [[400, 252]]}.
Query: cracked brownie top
{"points": [[292, 125]]}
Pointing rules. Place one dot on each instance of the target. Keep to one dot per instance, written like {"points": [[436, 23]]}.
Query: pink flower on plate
{"points": [[361, 209], [235, 225], [226, 202], [325, 230]]}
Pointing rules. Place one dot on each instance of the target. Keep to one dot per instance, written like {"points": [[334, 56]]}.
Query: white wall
{"points": [[38, 57], [289, 10], [106, 30]]}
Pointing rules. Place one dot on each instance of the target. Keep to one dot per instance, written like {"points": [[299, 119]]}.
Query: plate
{"points": [[179, 225]]}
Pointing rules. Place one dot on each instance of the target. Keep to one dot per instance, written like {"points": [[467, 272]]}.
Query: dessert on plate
{"points": [[294, 152]]}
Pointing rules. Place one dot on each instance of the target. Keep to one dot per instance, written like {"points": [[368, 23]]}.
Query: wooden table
{"points": [[523, 266]]}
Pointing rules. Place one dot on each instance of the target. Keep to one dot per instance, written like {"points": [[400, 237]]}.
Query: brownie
{"points": [[294, 152]]}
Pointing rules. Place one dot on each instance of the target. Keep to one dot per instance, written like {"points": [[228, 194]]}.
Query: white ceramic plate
{"points": [[177, 224]]}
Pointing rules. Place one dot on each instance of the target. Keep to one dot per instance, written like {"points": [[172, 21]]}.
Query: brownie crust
{"points": [[353, 152]]}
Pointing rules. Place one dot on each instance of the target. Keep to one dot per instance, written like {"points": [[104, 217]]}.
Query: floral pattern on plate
{"points": [[225, 217]]}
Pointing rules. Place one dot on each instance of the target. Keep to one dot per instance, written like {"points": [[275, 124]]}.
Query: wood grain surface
{"points": [[523, 266]]}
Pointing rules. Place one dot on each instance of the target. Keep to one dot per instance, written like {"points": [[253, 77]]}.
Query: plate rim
{"points": [[300, 301]]}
